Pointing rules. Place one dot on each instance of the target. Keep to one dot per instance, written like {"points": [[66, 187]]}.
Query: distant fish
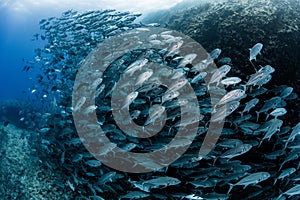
{"points": [[249, 105], [5, 123], [225, 60], [274, 127], [230, 143], [215, 54], [135, 195], [286, 92], [153, 25], [93, 163], [159, 182], [255, 50]]}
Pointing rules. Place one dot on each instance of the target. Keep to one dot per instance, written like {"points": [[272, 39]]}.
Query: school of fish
{"points": [[256, 157]]}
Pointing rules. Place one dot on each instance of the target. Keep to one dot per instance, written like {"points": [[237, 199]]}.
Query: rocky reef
{"points": [[22, 176], [236, 25]]}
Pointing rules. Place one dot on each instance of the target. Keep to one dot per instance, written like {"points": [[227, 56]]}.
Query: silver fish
{"points": [[224, 111], [266, 69], [231, 96], [285, 173], [230, 143], [256, 78], [159, 182], [169, 95], [130, 98], [278, 112], [135, 195], [249, 105], [237, 151], [225, 60], [199, 77], [295, 132], [144, 77], [137, 65], [219, 74], [275, 127], [215, 54], [286, 92], [291, 192], [93, 163], [231, 81], [251, 179], [155, 113], [255, 50], [178, 84], [79, 103], [188, 59], [269, 104]]}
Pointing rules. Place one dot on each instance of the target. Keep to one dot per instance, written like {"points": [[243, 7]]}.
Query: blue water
{"points": [[15, 45], [16, 32]]}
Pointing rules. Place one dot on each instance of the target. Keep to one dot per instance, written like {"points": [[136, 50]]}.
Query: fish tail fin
{"points": [[244, 87], [280, 194], [281, 165], [285, 145], [215, 161], [241, 113], [214, 109], [275, 181], [230, 187], [257, 114], [260, 143], [267, 117]]}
